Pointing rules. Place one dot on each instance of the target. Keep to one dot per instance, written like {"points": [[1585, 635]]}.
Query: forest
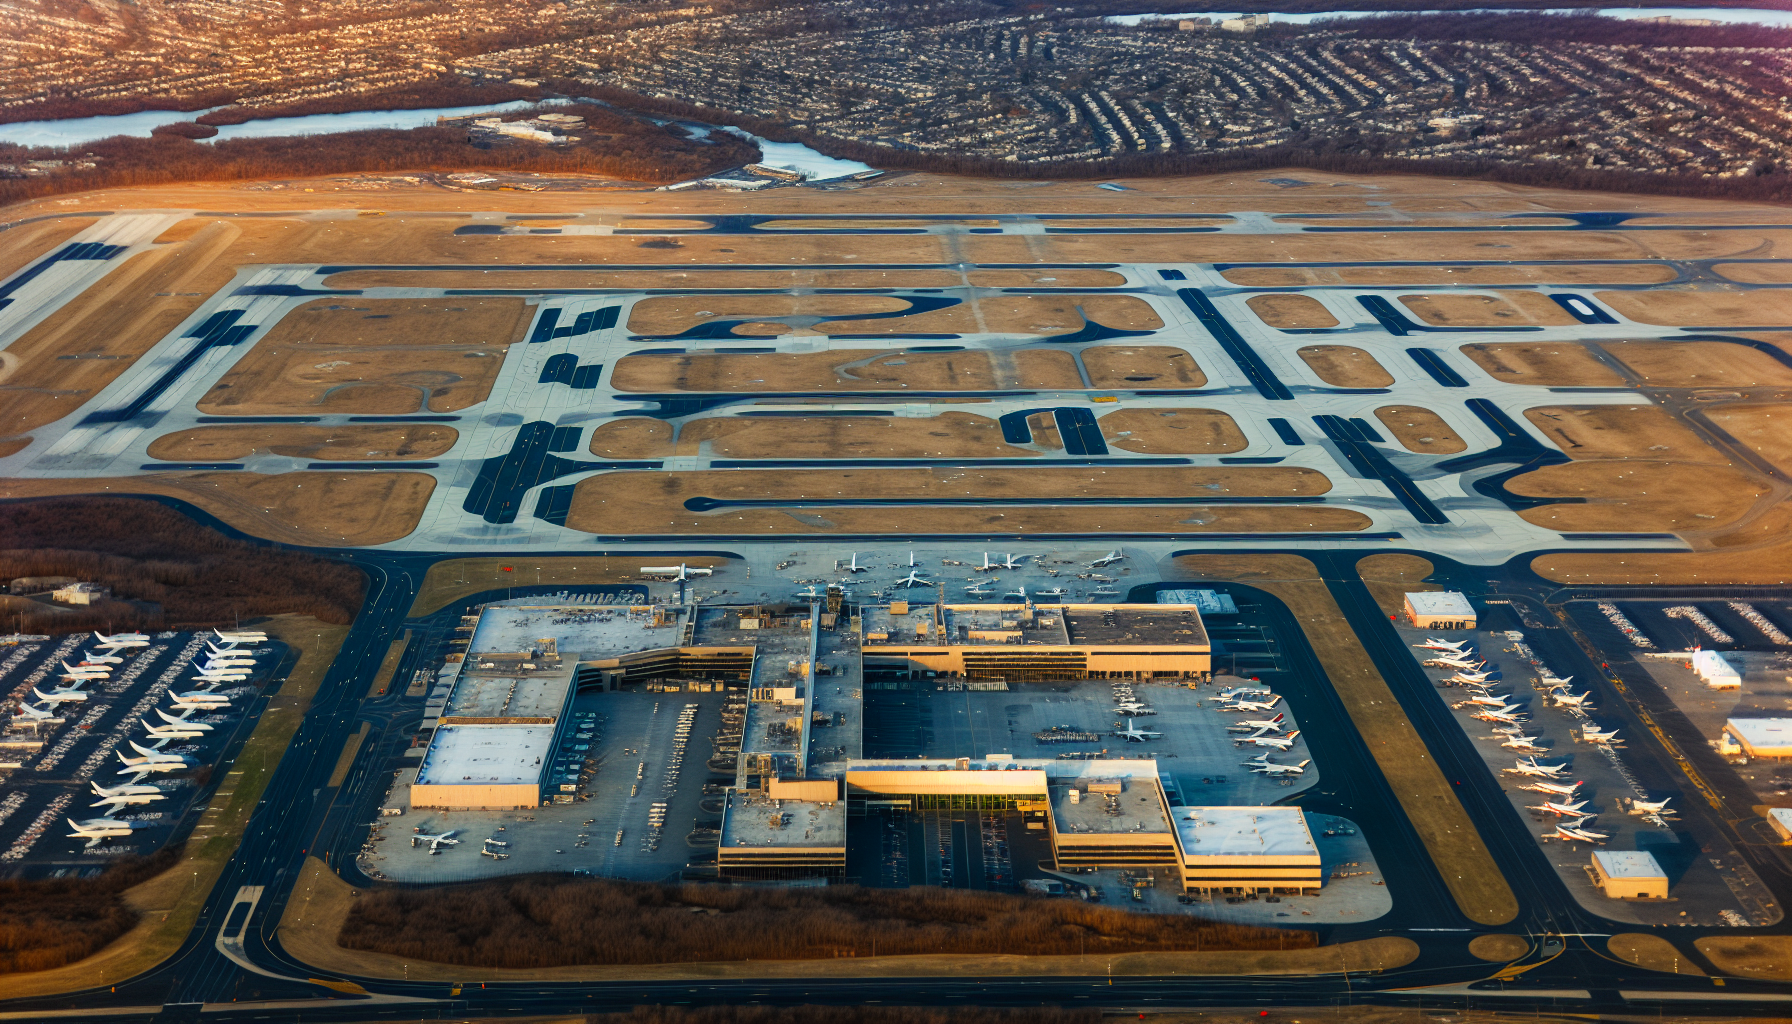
{"points": [[49, 922], [846, 1015], [193, 576], [548, 922]]}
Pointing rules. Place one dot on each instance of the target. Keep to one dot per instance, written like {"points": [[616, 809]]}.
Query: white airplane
{"points": [[979, 590], [252, 636], [1278, 770], [1565, 810], [1262, 725], [1597, 736], [37, 715], [1237, 692], [1136, 735], [911, 561], [809, 593], [436, 842], [183, 723], [1439, 644], [1471, 678], [98, 830], [1572, 834], [1646, 808], [86, 671], [1018, 592], [227, 657], [1248, 706], [987, 566], [1506, 715], [854, 566], [1525, 743], [1273, 742], [1552, 788], [1530, 767], [1573, 700], [913, 579], [1117, 555], [89, 658], [199, 697], [1132, 710], [138, 767], [1466, 664], [1552, 681], [121, 640], [677, 572], [58, 696], [1491, 700], [1053, 592], [125, 796], [222, 672], [162, 735]]}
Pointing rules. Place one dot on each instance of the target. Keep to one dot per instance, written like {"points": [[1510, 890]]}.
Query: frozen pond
{"points": [[82, 130], [793, 156]]}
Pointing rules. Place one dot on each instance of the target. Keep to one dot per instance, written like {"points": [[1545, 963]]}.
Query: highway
{"points": [[1567, 971]]}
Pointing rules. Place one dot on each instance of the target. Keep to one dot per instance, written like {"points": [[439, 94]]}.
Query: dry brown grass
{"points": [[1766, 429], [1451, 309], [1173, 431], [1130, 367], [1371, 276], [1499, 947], [1768, 957], [310, 508], [1765, 307], [848, 370], [1544, 364], [13, 445], [1651, 952], [22, 245], [695, 278], [1638, 495], [1391, 577], [1013, 314], [1288, 312], [83, 346], [1046, 278], [454, 578], [948, 435], [633, 438], [675, 314], [1775, 272], [1342, 366], [1622, 432], [373, 356], [1430, 803], [1699, 364], [351, 442], [1420, 430], [642, 502]]}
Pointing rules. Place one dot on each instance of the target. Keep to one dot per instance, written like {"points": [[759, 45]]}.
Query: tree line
{"points": [[189, 576], [52, 922], [546, 922], [810, 1014]]}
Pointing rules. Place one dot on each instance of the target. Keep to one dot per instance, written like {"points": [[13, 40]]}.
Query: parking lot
{"points": [[49, 768]]}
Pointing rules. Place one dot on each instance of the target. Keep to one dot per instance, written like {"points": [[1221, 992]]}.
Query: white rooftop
{"points": [[1243, 832], [486, 755], [1762, 732], [1441, 602], [1628, 864], [753, 820], [586, 631], [1783, 815]]}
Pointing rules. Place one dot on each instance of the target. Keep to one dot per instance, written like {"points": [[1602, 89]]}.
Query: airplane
{"points": [[987, 566], [436, 842], [120, 640], [1273, 742], [1552, 681], [1490, 700], [1278, 770], [978, 590], [1259, 724], [810, 593], [155, 761], [125, 796], [1468, 664], [162, 735], [98, 830], [677, 572], [1553, 788], [854, 566], [1573, 700], [911, 561], [58, 696], [227, 658], [1473, 678], [199, 697], [1572, 834], [1438, 644], [1565, 810], [86, 671], [223, 673], [913, 579], [1528, 743], [1240, 691], [1597, 736], [1131, 710], [1530, 767], [1053, 592], [1651, 808], [242, 636], [37, 715], [1254, 705], [183, 723], [1117, 555], [1019, 591], [1008, 562], [1136, 735], [89, 658]]}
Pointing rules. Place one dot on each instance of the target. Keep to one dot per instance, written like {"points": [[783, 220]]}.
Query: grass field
{"points": [[1480, 890], [1173, 431], [1768, 957], [1342, 366], [675, 314], [1543, 364], [1418, 429], [1700, 364], [22, 245], [1638, 495], [350, 442], [170, 902], [1370, 276], [1125, 367], [1762, 308], [454, 578], [1651, 952], [948, 435], [1499, 947], [1391, 577], [848, 370], [1505, 309], [1766, 429], [1288, 311], [1622, 432]]}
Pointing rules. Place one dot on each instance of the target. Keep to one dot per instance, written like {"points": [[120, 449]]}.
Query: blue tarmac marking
{"points": [[1433, 364], [498, 490], [1362, 427], [1517, 448], [78, 251], [1285, 430], [1369, 461], [546, 325], [1077, 429], [192, 465], [1583, 309], [373, 465], [220, 330], [1261, 376], [705, 504], [404, 419], [565, 369], [1013, 461], [1398, 324]]}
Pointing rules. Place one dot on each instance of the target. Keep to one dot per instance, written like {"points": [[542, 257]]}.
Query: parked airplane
{"points": [[98, 830], [89, 658], [1433, 643], [1508, 715], [987, 566], [1019, 591], [809, 593], [1551, 681], [1565, 810], [1132, 734], [162, 735], [854, 566], [58, 696], [1530, 767], [677, 572], [222, 672], [1008, 561], [1464, 664], [183, 723], [86, 671], [1053, 592], [1237, 692], [1572, 834], [913, 579], [977, 591], [1577, 701], [1254, 705], [436, 842], [125, 796], [38, 715], [199, 701], [1524, 743], [1552, 788], [1134, 710], [227, 658], [1117, 555], [1279, 770], [1597, 736], [121, 640], [1491, 700], [1259, 724], [1645, 808], [253, 636], [154, 761], [1273, 742]]}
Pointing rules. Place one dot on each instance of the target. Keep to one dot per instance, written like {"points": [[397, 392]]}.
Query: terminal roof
{"points": [[1628, 864], [1441, 602], [1244, 832], [1138, 807], [485, 755], [580, 631], [752, 820], [513, 693]]}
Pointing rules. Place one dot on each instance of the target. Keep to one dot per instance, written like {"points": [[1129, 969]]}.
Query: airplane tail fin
{"points": [[1303, 764]]}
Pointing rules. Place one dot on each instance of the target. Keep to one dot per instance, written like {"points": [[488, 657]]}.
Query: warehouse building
{"points": [[1037, 643], [1628, 875], [1757, 737], [1440, 609], [788, 830]]}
